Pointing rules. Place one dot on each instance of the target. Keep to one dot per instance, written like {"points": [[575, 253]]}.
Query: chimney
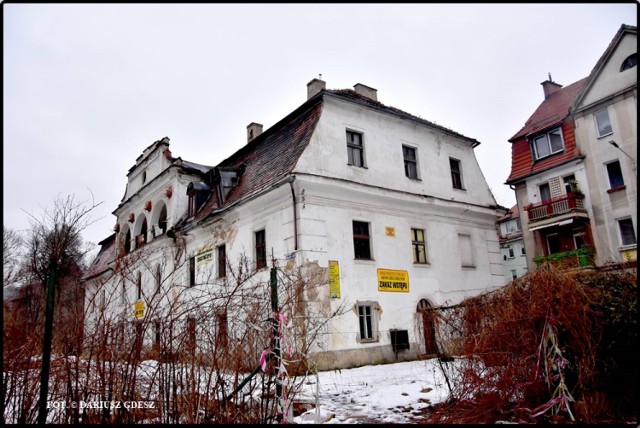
{"points": [[253, 130], [315, 86], [366, 91], [549, 87]]}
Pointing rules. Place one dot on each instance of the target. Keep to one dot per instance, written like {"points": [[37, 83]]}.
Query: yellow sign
{"points": [[139, 307], [205, 257], [390, 231], [629, 255], [393, 280], [334, 279]]}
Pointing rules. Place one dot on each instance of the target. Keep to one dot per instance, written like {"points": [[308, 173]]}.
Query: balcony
{"points": [[570, 203], [581, 257]]}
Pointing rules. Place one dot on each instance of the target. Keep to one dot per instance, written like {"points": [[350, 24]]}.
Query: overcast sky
{"points": [[87, 87]]}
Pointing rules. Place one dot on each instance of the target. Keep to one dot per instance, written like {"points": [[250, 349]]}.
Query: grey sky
{"points": [[88, 86]]}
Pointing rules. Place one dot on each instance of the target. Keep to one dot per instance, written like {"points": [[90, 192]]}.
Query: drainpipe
{"points": [[295, 216]]}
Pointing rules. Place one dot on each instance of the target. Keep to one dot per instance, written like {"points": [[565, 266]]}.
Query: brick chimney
{"points": [[315, 86], [366, 91], [253, 130], [549, 87]]}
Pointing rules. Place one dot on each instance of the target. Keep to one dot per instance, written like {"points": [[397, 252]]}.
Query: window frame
{"points": [[416, 244], [353, 146], [609, 175], [192, 202], [457, 181], [260, 245], [139, 286], [549, 144], [545, 188], [605, 131], [408, 162], [628, 222], [222, 261], [464, 238], [367, 322], [629, 62], [192, 271], [359, 240]]}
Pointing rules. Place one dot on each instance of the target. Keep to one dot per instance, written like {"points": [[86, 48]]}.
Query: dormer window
{"points": [[192, 204], [629, 62], [547, 144]]}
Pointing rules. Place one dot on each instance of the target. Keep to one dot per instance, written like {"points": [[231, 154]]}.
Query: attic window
{"points": [[629, 62], [547, 144], [192, 204], [144, 177]]}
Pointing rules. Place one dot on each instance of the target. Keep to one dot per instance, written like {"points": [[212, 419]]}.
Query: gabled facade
{"points": [[606, 118], [514, 254], [392, 210], [549, 178], [568, 180]]}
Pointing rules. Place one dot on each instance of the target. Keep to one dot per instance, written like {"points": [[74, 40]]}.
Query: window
{"points": [[261, 250], [522, 251], [123, 292], [144, 177], [456, 173], [615, 175], [410, 162], [514, 274], [139, 285], [158, 278], [419, 248], [629, 62], [127, 242], [367, 322], [157, 326], [570, 184], [192, 204], [466, 251], [545, 192], [103, 300], [222, 261], [511, 253], [355, 149], [361, 239], [627, 233], [603, 124], [192, 271], [548, 144]]}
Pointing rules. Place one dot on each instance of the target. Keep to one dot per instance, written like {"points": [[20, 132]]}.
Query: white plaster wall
{"points": [[383, 138], [611, 80]]}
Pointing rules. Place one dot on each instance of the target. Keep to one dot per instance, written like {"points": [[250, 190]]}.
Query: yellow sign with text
{"points": [[139, 307], [396, 281], [334, 279]]}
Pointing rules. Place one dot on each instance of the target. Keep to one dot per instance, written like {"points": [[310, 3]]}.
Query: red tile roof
{"points": [[553, 112]]}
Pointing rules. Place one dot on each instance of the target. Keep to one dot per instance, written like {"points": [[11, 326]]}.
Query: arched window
{"points": [[629, 62], [127, 242]]}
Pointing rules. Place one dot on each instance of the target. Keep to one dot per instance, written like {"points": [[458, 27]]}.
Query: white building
{"points": [[391, 210], [606, 121], [514, 255]]}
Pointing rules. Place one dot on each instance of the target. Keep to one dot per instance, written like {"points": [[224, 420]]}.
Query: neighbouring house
{"points": [[391, 210], [606, 120], [561, 171], [549, 177], [512, 248]]}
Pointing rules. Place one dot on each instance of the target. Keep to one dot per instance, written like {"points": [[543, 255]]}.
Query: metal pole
{"points": [[276, 339], [46, 347]]}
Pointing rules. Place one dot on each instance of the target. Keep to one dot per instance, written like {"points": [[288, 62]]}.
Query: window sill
{"points": [[357, 166], [422, 265], [615, 189], [605, 135], [368, 341]]}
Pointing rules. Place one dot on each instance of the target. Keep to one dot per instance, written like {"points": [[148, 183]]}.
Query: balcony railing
{"points": [[569, 259], [552, 207]]}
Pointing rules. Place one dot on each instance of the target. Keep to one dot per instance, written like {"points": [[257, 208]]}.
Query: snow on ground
{"points": [[386, 393]]}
